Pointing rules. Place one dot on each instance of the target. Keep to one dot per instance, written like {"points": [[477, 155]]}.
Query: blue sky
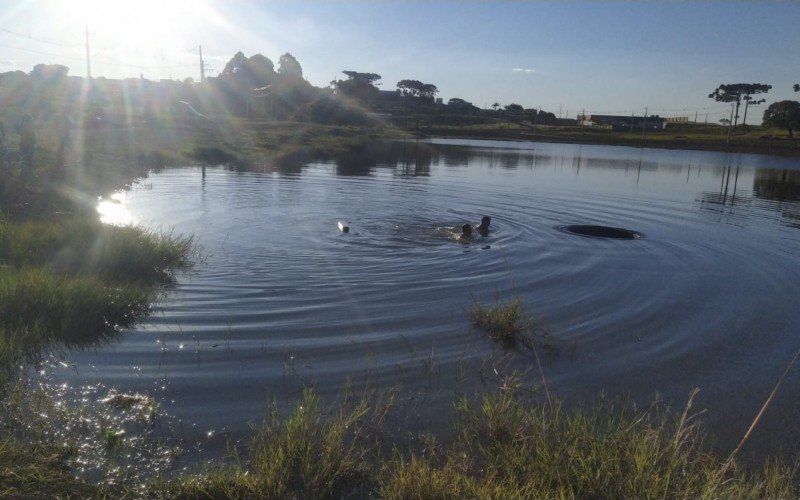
{"points": [[599, 56]]}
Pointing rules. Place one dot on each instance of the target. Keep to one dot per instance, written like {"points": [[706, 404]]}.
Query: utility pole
{"points": [[706, 120], [631, 128], [202, 65], [88, 58], [644, 125], [559, 111], [695, 117]]}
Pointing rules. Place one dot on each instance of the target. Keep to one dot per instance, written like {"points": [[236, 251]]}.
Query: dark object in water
{"points": [[483, 228], [343, 227], [466, 231], [602, 232]]}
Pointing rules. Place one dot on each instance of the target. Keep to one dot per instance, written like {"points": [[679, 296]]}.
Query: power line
{"points": [[102, 63], [117, 62], [41, 52], [41, 40]]}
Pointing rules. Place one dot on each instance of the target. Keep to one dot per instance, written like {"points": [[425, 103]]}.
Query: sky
{"points": [[565, 57]]}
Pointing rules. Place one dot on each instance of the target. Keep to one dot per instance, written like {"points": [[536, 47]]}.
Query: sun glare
{"points": [[148, 34], [134, 20], [114, 211]]}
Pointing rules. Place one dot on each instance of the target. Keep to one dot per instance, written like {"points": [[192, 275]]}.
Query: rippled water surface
{"points": [[707, 297]]}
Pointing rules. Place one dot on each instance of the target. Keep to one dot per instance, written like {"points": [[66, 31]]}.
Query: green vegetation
{"points": [[40, 472], [74, 282], [67, 281], [507, 449], [502, 322], [83, 246], [751, 139], [40, 309], [783, 114], [504, 448], [738, 92], [307, 455]]}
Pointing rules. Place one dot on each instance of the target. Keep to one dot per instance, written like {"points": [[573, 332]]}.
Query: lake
{"points": [[281, 300]]}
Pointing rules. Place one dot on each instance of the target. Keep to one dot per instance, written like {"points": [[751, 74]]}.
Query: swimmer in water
{"points": [[483, 228]]}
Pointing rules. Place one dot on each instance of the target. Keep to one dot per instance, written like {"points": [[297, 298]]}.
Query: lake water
{"points": [[707, 298]]}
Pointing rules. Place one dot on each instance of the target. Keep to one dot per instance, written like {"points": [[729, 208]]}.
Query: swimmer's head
{"points": [[466, 230], [485, 221]]}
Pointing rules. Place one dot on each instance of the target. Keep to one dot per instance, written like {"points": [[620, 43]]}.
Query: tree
{"points": [[546, 117], [749, 101], [428, 91], [495, 106], [460, 105], [363, 78], [736, 92], [797, 87], [783, 114], [409, 88], [49, 72], [289, 67], [415, 88], [239, 79], [362, 86], [255, 71], [515, 110]]}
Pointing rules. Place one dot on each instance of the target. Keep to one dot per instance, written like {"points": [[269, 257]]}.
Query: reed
{"points": [[310, 454], [507, 449], [40, 472], [78, 245], [504, 448], [503, 322], [40, 308]]}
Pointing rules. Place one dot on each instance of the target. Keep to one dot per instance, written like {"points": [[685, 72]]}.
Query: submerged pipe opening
{"points": [[617, 233]]}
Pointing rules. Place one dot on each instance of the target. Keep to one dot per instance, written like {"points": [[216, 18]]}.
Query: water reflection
{"points": [[589, 164], [114, 210], [780, 186], [285, 299]]}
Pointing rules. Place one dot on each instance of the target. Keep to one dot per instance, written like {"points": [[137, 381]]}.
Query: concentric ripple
{"points": [[283, 299]]}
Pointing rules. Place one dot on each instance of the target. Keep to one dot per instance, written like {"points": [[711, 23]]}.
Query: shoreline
{"points": [[772, 146], [344, 460]]}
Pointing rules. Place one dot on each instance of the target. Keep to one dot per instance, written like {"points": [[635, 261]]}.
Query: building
{"points": [[678, 119], [623, 123]]}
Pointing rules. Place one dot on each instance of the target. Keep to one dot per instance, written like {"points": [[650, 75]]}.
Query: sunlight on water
{"points": [[284, 299], [114, 211]]}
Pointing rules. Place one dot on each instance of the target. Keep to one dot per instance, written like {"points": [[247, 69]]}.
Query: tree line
{"points": [[782, 114], [252, 87]]}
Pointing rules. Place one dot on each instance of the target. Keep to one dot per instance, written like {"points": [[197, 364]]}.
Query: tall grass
{"points": [[502, 321], [74, 281], [310, 454], [77, 245], [40, 308], [40, 472], [504, 448]]}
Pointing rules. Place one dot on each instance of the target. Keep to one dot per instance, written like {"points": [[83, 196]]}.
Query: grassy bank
{"points": [[504, 445], [504, 448], [67, 281], [693, 137], [73, 281]]}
